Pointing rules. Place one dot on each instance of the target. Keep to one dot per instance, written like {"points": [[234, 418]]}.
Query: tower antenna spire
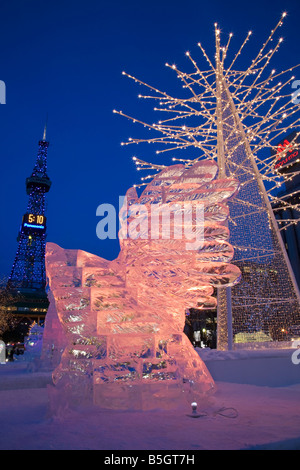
{"points": [[45, 129]]}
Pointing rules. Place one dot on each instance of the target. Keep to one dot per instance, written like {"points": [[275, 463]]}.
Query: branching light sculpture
{"points": [[234, 116]]}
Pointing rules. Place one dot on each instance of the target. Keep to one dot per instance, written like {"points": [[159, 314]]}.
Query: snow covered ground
{"points": [[260, 392]]}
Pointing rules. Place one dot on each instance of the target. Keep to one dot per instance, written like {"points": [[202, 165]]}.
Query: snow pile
{"points": [[20, 376], [33, 347], [262, 367]]}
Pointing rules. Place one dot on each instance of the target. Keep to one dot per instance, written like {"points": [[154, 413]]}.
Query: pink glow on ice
{"points": [[124, 319]]}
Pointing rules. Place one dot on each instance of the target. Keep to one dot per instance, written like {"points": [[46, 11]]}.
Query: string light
{"points": [[265, 129]]}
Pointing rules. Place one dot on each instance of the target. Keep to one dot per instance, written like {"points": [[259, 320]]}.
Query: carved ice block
{"points": [[124, 319]]}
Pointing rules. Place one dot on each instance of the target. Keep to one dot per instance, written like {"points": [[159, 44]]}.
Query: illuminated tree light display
{"points": [[236, 117], [123, 319]]}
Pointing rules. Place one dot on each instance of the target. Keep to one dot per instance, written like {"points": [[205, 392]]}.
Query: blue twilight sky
{"points": [[64, 58]]}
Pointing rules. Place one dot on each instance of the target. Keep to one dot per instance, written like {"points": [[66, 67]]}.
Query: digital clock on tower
{"points": [[34, 222]]}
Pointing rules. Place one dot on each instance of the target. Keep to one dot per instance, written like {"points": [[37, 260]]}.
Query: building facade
{"points": [[287, 165]]}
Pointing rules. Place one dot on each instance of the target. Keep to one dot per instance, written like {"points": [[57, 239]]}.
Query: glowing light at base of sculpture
{"points": [[124, 319]]}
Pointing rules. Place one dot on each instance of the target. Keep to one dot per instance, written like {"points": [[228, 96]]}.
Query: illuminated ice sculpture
{"points": [[124, 319]]}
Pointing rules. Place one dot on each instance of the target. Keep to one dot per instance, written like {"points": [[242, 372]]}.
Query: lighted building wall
{"points": [[287, 164]]}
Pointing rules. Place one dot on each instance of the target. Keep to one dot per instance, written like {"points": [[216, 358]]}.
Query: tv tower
{"points": [[27, 281]]}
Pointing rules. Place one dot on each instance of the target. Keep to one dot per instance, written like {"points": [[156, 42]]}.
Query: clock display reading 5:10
{"points": [[34, 222], [35, 219]]}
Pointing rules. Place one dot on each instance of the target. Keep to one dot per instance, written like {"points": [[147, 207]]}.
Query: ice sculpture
{"points": [[54, 338], [124, 319]]}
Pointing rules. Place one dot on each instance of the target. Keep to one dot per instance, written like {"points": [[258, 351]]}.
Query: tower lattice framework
{"points": [[28, 276]]}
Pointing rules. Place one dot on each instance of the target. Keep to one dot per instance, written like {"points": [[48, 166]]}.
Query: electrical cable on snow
{"points": [[226, 412]]}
